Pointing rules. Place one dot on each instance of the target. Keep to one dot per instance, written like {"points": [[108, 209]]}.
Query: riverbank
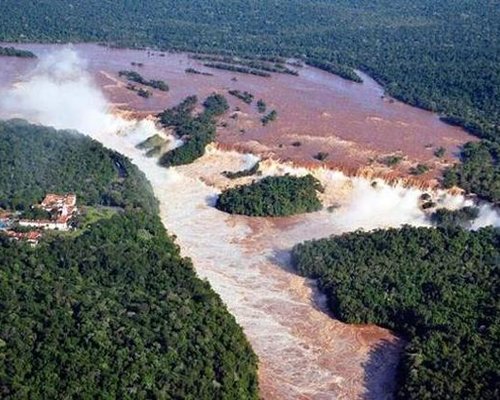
{"points": [[303, 351], [349, 126]]}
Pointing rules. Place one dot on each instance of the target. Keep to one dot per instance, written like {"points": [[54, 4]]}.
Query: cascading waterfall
{"points": [[303, 351]]}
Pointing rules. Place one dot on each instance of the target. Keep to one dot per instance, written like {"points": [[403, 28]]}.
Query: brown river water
{"points": [[349, 121], [304, 352]]}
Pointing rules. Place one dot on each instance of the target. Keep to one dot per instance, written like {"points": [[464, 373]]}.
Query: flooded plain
{"points": [[304, 352], [355, 124]]}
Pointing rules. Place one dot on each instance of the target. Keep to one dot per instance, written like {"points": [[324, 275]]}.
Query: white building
{"points": [[62, 207]]}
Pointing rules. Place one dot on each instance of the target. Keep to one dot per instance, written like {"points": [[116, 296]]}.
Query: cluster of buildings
{"points": [[59, 208], [31, 237]]}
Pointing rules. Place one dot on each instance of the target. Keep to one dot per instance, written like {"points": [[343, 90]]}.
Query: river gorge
{"points": [[304, 352]]}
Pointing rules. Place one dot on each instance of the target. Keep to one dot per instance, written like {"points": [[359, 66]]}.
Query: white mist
{"points": [[302, 350]]}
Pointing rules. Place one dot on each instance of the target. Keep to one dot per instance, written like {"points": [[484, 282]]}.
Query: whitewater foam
{"points": [[303, 351]]}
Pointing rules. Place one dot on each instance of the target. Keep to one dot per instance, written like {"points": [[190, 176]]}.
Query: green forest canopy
{"points": [[35, 160], [197, 131], [479, 171], [443, 56], [436, 287], [114, 312], [273, 196]]}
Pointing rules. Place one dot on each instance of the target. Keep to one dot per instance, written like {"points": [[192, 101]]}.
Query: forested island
{"points": [[394, 42], [13, 52], [273, 196], [138, 78], [256, 65], [438, 288], [237, 68], [112, 310], [244, 172], [479, 171], [196, 130], [153, 145], [244, 96], [270, 117], [196, 72]]}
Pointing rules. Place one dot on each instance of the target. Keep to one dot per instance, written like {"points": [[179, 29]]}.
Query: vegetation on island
{"points": [[393, 41], [244, 172], [438, 288], [196, 131], [215, 105], [440, 152], [138, 78], [114, 311], [242, 60], [144, 93], [153, 145], [419, 169], [254, 65], [244, 96], [273, 196], [151, 142], [190, 151], [426, 201], [213, 58], [13, 52], [392, 160], [238, 68], [179, 117], [271, 116], [196, 72], [261, 106], [321, 156], [479, 171]]}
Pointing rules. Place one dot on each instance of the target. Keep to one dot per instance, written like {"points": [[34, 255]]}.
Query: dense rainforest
{"points": [[197, 131], [479, 171], [443, 56], [13, 52], [112, 311], [273, 196], [438, 288], [35, 160]]}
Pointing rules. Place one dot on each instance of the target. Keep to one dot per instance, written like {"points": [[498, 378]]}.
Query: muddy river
{"points": [[304, 352], [317, 111]]}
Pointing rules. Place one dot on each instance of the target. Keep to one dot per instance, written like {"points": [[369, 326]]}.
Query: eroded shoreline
{"points": [[304, 352], [317, 112]]}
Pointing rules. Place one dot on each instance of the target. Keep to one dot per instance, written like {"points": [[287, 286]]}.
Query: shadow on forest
{"points": [[381, 370], [211, 200], [283, 259], [383, 359]]}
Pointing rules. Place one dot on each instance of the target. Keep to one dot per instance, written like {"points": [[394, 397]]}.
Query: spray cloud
{"points": [[233, 253]]}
